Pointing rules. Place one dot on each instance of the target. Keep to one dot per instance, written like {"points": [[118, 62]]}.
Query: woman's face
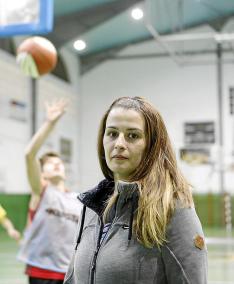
{"points": [[124, 141]]}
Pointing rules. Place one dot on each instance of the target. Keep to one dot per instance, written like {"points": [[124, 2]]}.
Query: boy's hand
{"points": [[14, 234], [55, 110]]}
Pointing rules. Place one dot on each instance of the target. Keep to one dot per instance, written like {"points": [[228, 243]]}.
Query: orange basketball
{"points": [[37, 56]]}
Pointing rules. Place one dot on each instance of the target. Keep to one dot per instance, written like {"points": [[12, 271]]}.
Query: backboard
{"points": [[26, 17]]}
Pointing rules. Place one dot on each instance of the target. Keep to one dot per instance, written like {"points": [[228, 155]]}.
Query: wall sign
{"points": [[199, 133]]}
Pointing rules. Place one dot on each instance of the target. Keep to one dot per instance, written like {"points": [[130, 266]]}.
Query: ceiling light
{"points": [[137, 14], [224, 37], [79, 45]]}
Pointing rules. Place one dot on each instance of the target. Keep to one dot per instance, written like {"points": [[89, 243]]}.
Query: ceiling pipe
{"points": [[219, 37], [156, 35], [164, 40]]}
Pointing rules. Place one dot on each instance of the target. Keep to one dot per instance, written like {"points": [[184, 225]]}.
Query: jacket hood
{"points": [[96, 197]]}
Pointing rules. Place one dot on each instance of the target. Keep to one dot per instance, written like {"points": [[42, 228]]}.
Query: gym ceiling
{"points": [[107, 27]]}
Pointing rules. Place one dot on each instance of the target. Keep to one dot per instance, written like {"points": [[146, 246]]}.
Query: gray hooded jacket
{"points": [[121, 259]]}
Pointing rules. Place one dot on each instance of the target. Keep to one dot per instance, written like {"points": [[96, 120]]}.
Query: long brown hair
{"points": [[161, 184]]}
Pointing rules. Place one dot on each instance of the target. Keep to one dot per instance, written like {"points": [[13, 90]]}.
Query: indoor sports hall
{"points": [[62, 64]]}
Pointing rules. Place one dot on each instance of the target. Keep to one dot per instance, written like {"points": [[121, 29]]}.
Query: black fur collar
{"points": [[95, 198]]}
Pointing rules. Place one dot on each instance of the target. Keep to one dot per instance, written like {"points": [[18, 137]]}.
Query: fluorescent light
{"points": [[224, 37], [137, 14], [79, 45]]}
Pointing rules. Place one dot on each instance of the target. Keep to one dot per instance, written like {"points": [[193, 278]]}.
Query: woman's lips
{"points": [[119, 157]]}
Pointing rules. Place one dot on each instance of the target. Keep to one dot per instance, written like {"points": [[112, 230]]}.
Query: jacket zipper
{"points": [[94, 261]]}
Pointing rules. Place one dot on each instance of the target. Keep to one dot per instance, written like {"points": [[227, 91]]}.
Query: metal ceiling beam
{"points": [[90, 61], [219, 23], [188, 53], [89, 64], [213, 23], [69, 27]]}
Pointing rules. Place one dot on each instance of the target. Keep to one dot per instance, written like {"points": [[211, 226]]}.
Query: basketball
{"points": [[36, 56]]}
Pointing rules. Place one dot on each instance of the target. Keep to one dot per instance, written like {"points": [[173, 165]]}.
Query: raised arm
{"points": [[54, 112]]}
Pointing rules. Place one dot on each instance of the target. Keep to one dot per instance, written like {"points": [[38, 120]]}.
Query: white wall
{"points": [[181, 94], [15, 134]]}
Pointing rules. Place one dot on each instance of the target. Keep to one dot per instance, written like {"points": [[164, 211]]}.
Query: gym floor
{"points": [[11, 270], [221, 261]]}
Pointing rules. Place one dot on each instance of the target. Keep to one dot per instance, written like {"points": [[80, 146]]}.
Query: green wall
{"points": [[209, 208], [16, 206]]}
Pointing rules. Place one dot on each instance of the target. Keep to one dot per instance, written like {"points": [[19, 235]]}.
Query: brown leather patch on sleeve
{"points": [[199, 242]]}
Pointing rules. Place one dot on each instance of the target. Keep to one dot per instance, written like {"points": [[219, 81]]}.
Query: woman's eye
{"points": [[133, 136], [112, 134]]}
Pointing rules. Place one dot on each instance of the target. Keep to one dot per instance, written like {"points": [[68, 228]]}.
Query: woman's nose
{"points": [[120, 142]]}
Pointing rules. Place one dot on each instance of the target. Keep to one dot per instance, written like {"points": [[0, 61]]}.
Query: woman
{"points": [[139, 224]]}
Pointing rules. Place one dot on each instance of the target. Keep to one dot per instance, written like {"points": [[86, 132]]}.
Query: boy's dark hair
{"points": [[43, 159]]}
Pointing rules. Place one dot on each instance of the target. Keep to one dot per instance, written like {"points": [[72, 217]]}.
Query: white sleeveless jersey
{"points": [[49, 241]]}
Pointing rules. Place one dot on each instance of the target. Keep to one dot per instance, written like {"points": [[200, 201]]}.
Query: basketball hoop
{"points": [[25, 17]]}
